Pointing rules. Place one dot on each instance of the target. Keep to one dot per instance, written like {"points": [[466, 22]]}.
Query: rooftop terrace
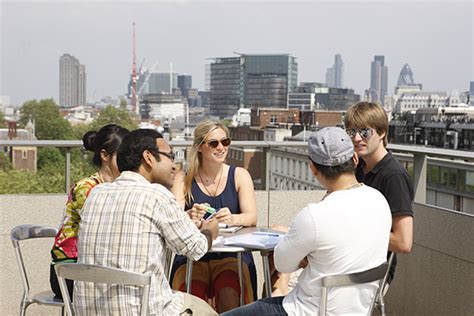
{"points": [[437, 278]]}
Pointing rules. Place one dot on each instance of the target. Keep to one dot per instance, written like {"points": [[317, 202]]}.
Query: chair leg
{"points": [[380, 304], [23, 306]]}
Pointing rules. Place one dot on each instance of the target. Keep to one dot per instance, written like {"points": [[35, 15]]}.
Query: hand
{"points": [[196, 213], [224, 216], [304, 262], [211, 226]]}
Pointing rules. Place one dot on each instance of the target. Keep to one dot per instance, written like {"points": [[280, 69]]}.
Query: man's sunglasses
{"points": [[365, 133], [213, 143], [170, 155]]}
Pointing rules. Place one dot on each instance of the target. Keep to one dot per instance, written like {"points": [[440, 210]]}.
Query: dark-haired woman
{"points": [[104, 144]]}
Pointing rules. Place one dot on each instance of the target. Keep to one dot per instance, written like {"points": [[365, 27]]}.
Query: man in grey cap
{"points": [[346, 232]]}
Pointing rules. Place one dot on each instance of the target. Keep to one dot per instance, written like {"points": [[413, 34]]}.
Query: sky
{"points": [[434, 38]]}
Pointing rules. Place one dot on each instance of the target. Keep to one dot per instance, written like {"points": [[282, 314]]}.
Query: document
{"points": [[229, 228], [256, 240]]}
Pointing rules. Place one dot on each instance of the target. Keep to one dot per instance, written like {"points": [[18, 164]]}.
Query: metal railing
{"points": [[418, 154]]}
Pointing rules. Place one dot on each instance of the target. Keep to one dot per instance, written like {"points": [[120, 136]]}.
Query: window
{"points": [[24, 154], [433, 175], [444, 176]]}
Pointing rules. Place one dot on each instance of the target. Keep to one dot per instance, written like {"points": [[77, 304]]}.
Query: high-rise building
{"points": [[471, 93], [185, 83], [226, 86], [406, 81], [335, 74], [162, 82], [72, 82], [250, 81], [207, 77], [378, 80]]}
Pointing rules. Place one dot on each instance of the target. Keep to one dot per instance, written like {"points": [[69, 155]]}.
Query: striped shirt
{"points": [[133, 225]]}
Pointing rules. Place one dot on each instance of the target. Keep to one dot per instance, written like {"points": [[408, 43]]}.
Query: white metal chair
{"points": [[374, 274], [24, 232], [379, 299], [98, 274]]}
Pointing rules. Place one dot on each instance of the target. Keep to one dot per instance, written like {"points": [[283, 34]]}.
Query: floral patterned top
{"points": [[65, 242]]}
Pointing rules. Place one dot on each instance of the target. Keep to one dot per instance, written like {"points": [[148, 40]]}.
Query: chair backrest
{"points": [[371, 275], [23, 232], [98, 274]]}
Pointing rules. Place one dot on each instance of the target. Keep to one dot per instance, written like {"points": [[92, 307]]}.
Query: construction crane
{"points": [[134, 75]]}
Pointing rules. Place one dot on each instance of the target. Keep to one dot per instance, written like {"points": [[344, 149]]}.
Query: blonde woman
{"points": [[209, 181]]}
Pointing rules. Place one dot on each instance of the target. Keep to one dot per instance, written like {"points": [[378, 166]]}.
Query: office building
{"points": [[335, 74], [162, 82], [250, 81], [406, 81], [72, 82], [378, 80], [471, 93], [185, 83]]}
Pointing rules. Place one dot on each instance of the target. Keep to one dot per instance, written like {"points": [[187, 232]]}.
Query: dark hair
{"points": [[129, 154], [108, 138], [333, 172]]}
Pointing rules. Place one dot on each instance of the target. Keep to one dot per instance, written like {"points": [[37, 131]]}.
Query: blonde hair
{"points": [[201, 132], [367, 114]]}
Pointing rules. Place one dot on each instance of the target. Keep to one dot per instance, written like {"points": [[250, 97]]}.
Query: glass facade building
{"points": [[251, 81]]}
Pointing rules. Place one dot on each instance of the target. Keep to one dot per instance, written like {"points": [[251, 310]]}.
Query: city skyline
{"points": [[431, 39]]}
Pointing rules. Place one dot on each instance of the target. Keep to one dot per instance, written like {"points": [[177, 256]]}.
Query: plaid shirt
{"points": [[131, 224]]}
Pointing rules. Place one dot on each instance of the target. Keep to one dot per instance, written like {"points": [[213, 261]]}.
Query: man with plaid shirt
{"points": [[133, 224]]}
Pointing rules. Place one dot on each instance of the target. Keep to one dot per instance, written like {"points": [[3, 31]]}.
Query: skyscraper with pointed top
{"points": [[406, 82]]}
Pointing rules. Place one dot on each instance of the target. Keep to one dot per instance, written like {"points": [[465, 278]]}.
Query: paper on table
{"points": [[218, 241], [259, 240], [229, 229]]}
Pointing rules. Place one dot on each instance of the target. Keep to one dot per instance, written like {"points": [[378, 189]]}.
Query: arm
{"points": [[248, 206], [297, 244], [398, 191], [401, 236], [178, 189], [179, 232]]}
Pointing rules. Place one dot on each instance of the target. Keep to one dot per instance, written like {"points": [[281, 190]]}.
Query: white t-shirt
{"points": [[347, 232]]}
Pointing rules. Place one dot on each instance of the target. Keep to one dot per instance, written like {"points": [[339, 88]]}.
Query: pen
{"points": [[210, 209], [266, 234], [237, 229]]}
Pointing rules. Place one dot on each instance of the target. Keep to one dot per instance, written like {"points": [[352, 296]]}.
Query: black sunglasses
{"points": [[170, 155], [365, 133], [213, 143]]}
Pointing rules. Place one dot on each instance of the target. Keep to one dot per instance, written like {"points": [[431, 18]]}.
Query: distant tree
{"points": [[79, 130], [49, 124], [3, 123], [5, 163], [226, 122], [50, 156], [112, 115], [123, 103]]}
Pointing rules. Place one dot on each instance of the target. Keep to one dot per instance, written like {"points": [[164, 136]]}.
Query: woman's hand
{"points": [[224, 216], [196, 213]]}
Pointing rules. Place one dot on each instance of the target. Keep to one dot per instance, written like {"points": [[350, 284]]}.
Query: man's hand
{"points": [[304, 263], [210, 229], [196, 213]]}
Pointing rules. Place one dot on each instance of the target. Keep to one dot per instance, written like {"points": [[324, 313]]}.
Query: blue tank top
{"points": [[228, 198]]}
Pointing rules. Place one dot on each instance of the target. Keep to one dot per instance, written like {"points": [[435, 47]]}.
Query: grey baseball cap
{"points": [[330, 146]]}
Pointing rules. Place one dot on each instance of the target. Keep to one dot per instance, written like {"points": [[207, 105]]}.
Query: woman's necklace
{"points": [[218, 183]]}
